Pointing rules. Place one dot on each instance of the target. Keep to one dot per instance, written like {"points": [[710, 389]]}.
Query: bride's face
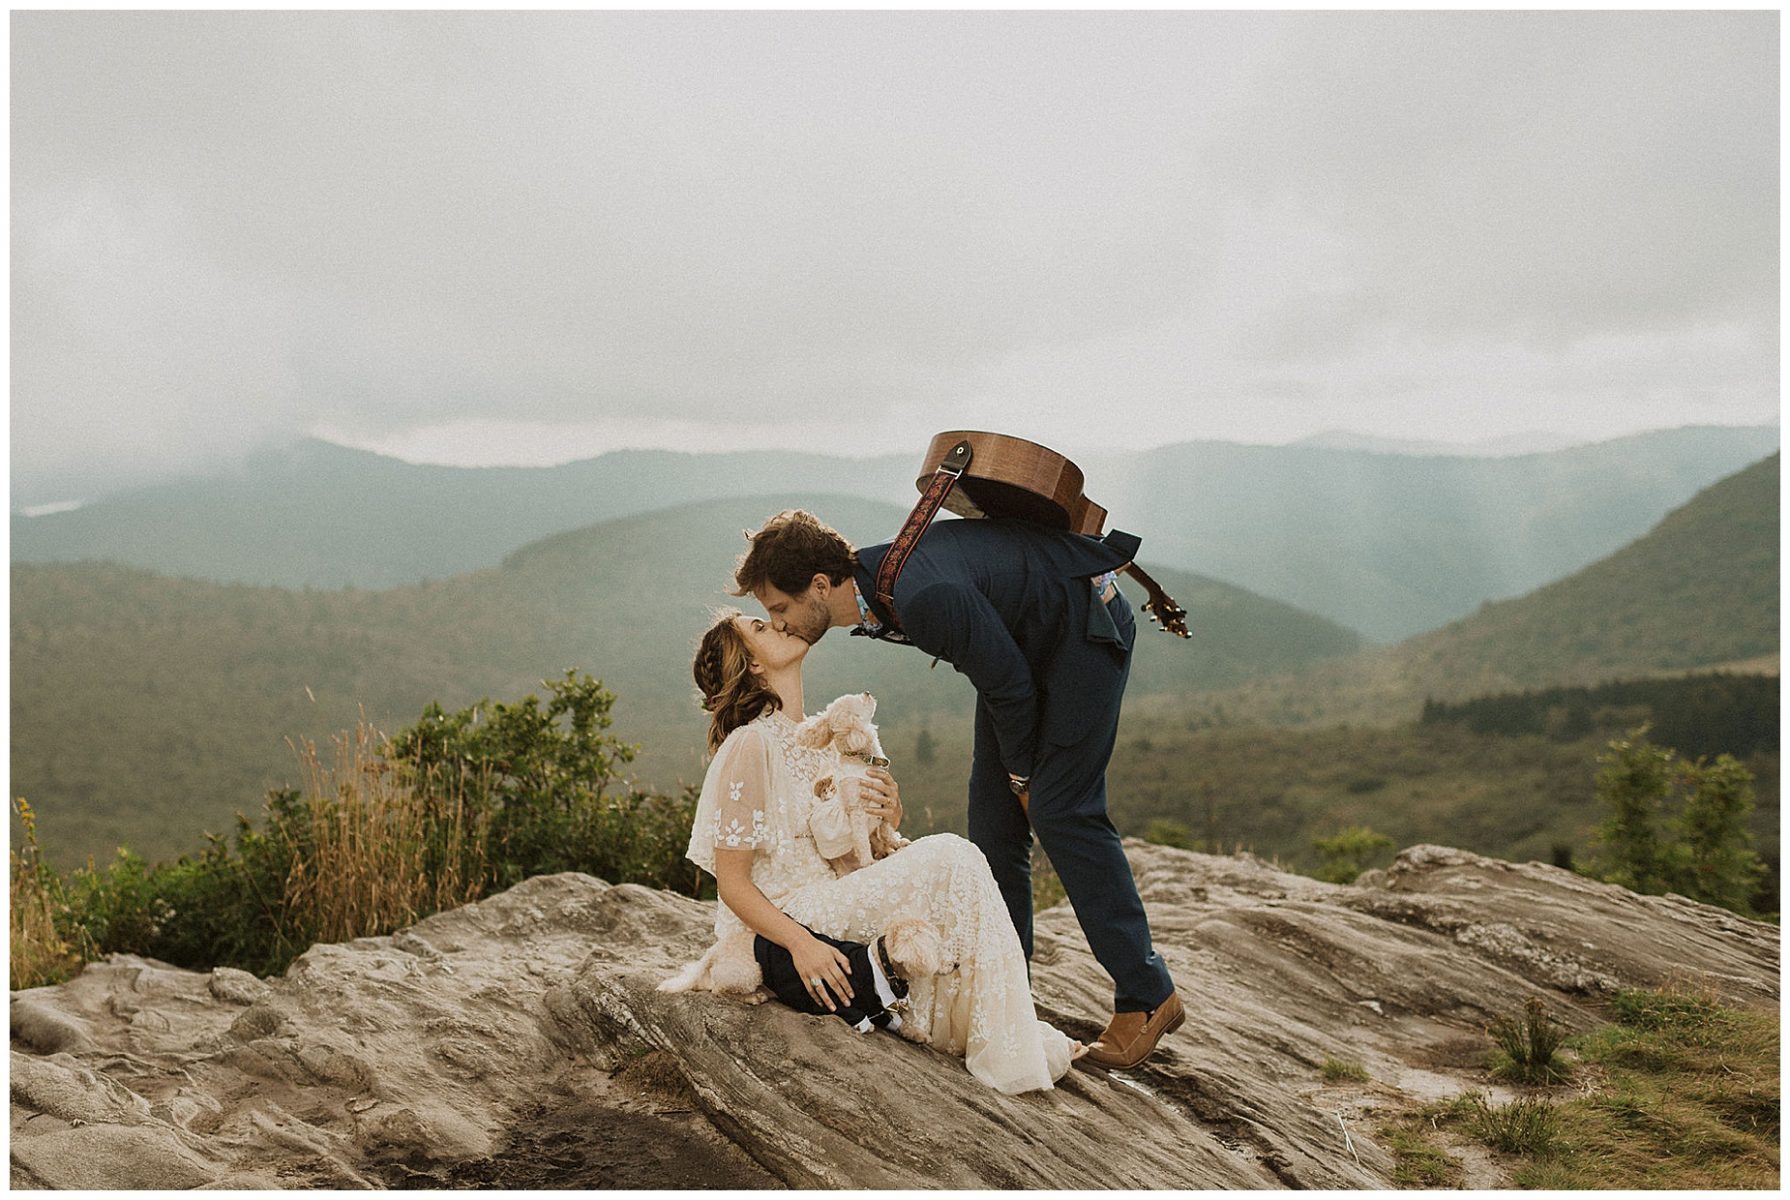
{"points": [[771, 649]]}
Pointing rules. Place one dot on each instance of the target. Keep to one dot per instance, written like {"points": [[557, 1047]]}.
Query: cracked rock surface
{"points": [[520, 1042]]}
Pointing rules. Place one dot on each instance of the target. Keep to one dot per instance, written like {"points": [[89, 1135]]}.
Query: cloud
{"points": [[233, 226]]}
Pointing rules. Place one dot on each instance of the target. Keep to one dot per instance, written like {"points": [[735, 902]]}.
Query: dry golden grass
{"points": [[387, 844], [37, 952]]}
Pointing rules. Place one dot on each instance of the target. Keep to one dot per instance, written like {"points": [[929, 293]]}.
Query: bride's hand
{"points": [[823, 967], [884, 795]]}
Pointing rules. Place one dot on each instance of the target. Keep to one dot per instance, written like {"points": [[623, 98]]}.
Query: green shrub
{"points": [[1677, 826], [459, 806], [1166, 832], [1347, 854]]}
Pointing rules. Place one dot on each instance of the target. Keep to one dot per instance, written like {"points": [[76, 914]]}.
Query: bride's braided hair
{"points": [[731, 693]]}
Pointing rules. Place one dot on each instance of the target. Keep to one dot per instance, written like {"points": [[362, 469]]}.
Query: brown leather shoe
{"points": [[1131, 1037]]}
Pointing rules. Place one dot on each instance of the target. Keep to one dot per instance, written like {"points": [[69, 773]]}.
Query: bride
{"points": [[751, 833]]}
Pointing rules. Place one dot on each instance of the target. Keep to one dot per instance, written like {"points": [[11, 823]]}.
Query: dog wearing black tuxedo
{"points": [[880, 974]]}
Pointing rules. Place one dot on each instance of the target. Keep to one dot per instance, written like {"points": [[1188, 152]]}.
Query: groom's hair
{"points": [[789, 551]]}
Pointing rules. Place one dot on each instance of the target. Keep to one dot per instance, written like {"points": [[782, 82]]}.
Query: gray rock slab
{"points": [[520, 1042]]}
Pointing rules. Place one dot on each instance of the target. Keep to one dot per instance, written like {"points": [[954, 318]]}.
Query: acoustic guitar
{"points": [[1007, 476]]}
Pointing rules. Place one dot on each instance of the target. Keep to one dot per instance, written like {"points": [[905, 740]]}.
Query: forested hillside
{"points": [[148, 709], [1699, 592]]}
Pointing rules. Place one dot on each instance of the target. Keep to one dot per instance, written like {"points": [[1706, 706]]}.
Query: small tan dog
{"points": [[730, 967], [846, 835]]}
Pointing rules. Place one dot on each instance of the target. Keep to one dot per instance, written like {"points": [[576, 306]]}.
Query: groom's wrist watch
{"points": [[1018, 783]]}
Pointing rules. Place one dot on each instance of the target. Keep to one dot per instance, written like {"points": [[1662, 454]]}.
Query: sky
{"points": [[524, 238]]}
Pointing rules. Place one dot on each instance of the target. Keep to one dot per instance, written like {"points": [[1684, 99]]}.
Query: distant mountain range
{"points": [[1388, 544], [146, 709], [1700, 591], [1516, 443]]}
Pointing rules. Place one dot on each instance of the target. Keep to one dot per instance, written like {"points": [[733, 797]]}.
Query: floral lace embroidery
{"points": [[736, 836], [983, 1008]]}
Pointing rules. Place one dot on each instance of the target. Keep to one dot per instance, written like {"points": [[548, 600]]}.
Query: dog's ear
{"points": [[814, 733]]}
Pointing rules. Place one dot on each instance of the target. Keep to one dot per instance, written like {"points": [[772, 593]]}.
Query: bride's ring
{"points": [[815, 982]]}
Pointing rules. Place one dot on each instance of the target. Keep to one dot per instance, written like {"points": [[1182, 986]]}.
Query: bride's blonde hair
{"points": [[731, 694]]}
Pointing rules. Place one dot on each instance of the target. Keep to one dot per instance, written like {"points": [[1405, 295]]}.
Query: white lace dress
{"points": [[758, 795]]}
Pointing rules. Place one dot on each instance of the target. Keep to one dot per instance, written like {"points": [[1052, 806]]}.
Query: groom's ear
{"points": [[820, 581]]}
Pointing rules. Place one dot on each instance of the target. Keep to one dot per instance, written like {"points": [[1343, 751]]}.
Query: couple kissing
{"points": [[1033, 617]]}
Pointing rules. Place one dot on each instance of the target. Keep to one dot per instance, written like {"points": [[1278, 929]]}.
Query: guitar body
{"points": [[1011, 477]]}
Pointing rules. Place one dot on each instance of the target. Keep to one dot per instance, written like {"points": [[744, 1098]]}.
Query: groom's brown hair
{"points": [[789, 551]]}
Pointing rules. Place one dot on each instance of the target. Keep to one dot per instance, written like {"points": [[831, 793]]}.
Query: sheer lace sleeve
{"points": [[735, 810]]}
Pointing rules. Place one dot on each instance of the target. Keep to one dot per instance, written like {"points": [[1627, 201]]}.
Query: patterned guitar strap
{"points": [[944, 477]]}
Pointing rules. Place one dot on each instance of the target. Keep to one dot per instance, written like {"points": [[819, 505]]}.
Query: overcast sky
{"points": [[525, 238]]}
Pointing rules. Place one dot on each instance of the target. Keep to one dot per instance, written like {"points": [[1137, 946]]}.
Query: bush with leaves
{"points": [[1677, 826], [1348, 853], [1165, 831], [459, 806]]}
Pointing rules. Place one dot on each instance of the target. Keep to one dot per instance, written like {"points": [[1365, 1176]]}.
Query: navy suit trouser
{"points": [[1068, 813]]}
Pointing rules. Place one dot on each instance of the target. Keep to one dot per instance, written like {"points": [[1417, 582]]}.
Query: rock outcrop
{"points": [[520, 1042]]}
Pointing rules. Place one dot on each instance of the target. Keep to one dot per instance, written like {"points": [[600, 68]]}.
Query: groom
{"points": [[1033, 617]]}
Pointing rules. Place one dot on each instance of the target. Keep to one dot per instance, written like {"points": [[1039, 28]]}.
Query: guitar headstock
{"points": [[1170, 617], [1161, 607]]}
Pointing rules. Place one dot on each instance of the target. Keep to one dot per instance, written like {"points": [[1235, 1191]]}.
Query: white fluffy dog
{"points": [[846, 835]]}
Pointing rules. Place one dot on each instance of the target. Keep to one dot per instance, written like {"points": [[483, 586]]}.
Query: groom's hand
{"points": [[885, 797]]}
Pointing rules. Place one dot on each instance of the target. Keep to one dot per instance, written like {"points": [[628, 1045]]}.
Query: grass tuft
{"points": [[1417, 1163], [1680, 1006], [1527, 1125], [1529, 1045], [1336, 1070]]}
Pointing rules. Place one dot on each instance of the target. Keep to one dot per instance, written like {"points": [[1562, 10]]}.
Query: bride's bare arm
{"points": [[813, 957]]}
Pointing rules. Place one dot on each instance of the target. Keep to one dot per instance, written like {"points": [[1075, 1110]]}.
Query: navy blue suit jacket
{"points": [[1007, 603]]}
